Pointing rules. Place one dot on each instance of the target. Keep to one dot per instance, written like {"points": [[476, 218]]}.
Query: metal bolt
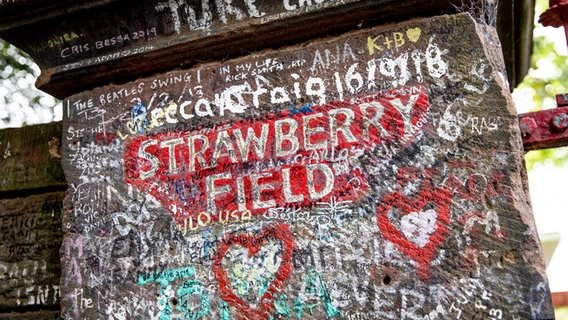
{"points": [[527, 125], [562, 99], [559, 121]]}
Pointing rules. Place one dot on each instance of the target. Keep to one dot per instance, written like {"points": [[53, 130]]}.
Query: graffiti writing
{"points": [[249, 166]]}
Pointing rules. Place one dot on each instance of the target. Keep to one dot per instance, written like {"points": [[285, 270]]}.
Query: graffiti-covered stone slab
{"points": [[93, 43], [38, 315], [30, 238], [375, 175], [82, 45]]}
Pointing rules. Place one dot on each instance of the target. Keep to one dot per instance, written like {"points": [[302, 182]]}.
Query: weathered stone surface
{"points": [[375, 175], [91, 43], [30, 239], [30, 158], [37, 315]]}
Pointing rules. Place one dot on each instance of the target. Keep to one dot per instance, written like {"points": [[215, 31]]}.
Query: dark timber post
{"points": [[288, 159]]}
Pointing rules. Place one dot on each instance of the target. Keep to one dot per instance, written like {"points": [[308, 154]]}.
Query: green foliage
{"points": [[15, 58], [20, 102], [556, 156], [547, 77]]}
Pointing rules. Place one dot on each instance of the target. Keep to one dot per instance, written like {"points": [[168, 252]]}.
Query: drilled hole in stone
{"points": [[387, 280], [495, 185]]}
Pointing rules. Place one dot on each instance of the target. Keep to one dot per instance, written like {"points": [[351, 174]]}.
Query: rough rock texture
{"points": [[36, 315], [32, 188], [30, 238], [29, 158], [375, 175]]}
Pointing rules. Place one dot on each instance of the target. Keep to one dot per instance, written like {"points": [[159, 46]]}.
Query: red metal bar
{"points": [[560, 299], [544, 129], [562, 100], [556, 15]]}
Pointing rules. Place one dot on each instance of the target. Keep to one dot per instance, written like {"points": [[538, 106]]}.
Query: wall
{"points": [[31, 201], [376, 174]]}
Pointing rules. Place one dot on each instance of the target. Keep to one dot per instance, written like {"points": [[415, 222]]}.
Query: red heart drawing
{"points": [[413, 219], [253, 245]]}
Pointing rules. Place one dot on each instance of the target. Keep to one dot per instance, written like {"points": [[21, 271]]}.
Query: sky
{"points": [[547, 185]]}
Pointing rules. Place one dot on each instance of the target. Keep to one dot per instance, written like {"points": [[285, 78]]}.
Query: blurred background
{"points": [[22, 104], [548, 169]]}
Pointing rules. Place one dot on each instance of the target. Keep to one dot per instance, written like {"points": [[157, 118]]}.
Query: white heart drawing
{"points": [[417, 227], [250, 275]]}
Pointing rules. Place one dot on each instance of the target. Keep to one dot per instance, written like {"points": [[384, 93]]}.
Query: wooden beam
{"points": [[30, 158], [102, 42]]}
